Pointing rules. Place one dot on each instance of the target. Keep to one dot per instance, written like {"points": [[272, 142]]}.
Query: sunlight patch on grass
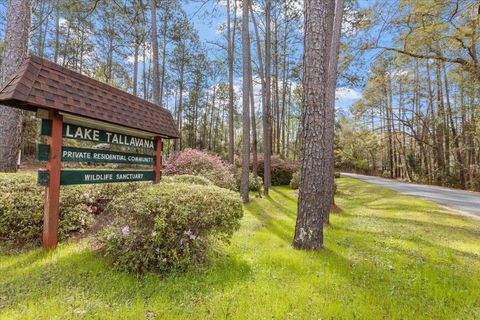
{"points": [[386, 256]]}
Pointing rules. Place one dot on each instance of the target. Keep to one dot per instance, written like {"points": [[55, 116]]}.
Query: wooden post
{"points": [[52, 193], [158, 159]]}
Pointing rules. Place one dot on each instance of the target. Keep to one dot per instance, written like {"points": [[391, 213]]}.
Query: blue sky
{"points": [[206, 18]]}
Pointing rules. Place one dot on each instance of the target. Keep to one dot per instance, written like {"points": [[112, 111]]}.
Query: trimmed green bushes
{"points": [[282, 171], [21, 209], [169, 226], [189, 179], [22, 201], [295, 182]]}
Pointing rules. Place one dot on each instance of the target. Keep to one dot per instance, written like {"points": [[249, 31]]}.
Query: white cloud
{"points": [[148, 53], [63, 22], [345, 94]]}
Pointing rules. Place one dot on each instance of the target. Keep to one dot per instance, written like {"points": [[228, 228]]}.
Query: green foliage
{"points": [[21, 209], [282, 170], [169, 226], [295, 182], [255, 183], [22, 201], [186, 178]]}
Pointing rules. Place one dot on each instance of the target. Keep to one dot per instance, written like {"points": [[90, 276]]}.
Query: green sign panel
{"points": [[71, 177], [71, 131], [71, 154]]}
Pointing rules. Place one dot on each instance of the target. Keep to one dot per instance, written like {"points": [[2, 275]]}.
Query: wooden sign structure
{"points": [[73, 106]]}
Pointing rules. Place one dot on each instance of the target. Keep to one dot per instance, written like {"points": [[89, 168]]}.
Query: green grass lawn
{"points": [[386, 256]]}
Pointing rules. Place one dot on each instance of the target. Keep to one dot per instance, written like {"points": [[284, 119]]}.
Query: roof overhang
{"points": [[40, 84]]}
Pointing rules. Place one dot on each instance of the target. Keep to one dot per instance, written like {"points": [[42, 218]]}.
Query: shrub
{"points": [[189, 179], [197, 162], [254, 183], [169, 226], [295, 182], [282, 171], [21, 209]]}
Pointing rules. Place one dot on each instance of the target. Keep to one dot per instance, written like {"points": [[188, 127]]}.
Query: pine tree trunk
{"points": [[15, 52], [284, 89], [332, 82], [254, 126], [178, 142], [135, 67], [57, 31], [267, 120], [164, 58], [230, 40], [156, 72], [244, 185], [316, 156]]}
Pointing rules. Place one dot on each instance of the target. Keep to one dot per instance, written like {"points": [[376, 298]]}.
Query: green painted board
{"points": [[71, 131], [71, 177], [72, 154]]}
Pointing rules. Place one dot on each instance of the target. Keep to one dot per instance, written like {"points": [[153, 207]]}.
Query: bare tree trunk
{"points": [[316, 156], [156, 72], [262, 80], [15, 52], [267, 119], [57, 31], [244, 185], [178, 142], [144, 72], [284, 88], [254, 127], [230, 40], [164, 57], [456, 137], [276, 89], [135, 68], [332, 83]]}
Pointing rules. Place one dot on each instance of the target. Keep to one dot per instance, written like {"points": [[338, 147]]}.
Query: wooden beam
{"points": [[52, 192]]}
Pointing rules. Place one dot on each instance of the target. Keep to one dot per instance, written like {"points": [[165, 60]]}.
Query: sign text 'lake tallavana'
{"points": [[72, 131]]}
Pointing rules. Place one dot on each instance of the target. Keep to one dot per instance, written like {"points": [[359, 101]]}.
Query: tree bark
{"points": [[332, 82], [156, 72], [267, 120], [230, 49], [316, 154], [244, 185], [254, 126], [15, 52]]}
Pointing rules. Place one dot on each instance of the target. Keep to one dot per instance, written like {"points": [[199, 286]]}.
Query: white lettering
{"points": [[96, 135], [68, 133], [79, 133]]}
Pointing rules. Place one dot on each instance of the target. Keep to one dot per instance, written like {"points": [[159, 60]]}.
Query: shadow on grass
{"points": [[272, 223], [85, 273]]}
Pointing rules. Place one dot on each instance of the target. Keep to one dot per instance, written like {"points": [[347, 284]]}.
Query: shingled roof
{"points": [[39, 83]]}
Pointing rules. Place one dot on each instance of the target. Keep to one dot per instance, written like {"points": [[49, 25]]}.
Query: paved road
{"points": [[464, 202]]}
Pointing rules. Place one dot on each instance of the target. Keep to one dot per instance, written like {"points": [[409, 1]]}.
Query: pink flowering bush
{"points": [[197, 162]]}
